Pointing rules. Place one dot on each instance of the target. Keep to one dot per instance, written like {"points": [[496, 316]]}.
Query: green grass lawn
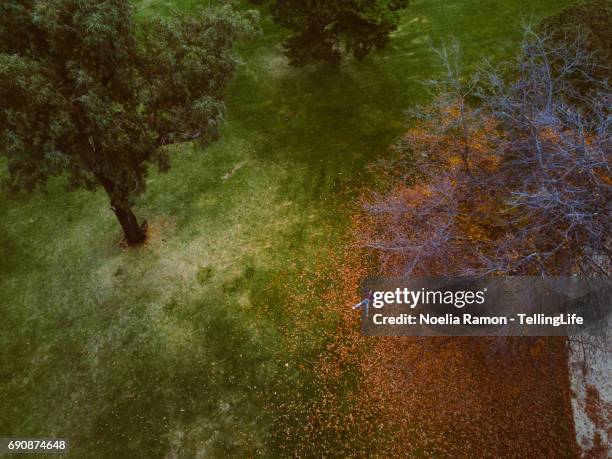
{"points": [[176, 345]]}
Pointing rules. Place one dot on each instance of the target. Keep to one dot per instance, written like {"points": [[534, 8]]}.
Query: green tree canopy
{"points": [[593, 17], [87, 91], [323, 29]]}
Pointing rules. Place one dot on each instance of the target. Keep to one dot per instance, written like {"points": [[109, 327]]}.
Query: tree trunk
{"points": [[134, 233]]}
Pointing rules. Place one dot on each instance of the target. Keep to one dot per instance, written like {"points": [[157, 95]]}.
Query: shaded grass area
{"points": [[175, 346]]}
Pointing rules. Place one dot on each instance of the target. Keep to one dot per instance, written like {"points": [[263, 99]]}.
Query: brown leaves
{"points": [[442, 397]]}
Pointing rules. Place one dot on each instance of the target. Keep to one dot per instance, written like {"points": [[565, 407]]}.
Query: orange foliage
{"points": [[431, 397]]}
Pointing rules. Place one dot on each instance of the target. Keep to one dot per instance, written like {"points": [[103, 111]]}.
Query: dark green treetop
{"points": [[87, 91], [322, 30], [586, 23]]}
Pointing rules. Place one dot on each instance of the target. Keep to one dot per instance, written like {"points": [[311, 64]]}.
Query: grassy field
{"points": [[174, 346]]}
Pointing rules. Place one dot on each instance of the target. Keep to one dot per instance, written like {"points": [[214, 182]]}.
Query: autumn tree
{"points": [[554, 153], [530, 196], [89, 92], [536, 197], [322, 30]]}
